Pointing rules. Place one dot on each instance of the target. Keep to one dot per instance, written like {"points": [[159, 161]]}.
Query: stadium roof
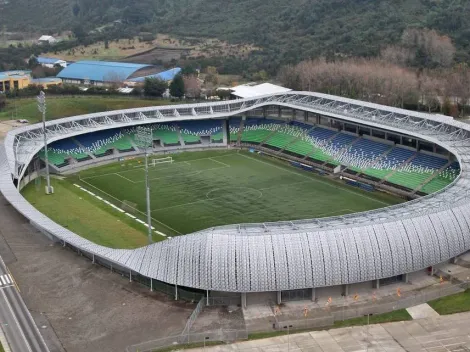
{"points": [[246, 91], [283, 255], [165, 75], [101, 71], [48, 60]]}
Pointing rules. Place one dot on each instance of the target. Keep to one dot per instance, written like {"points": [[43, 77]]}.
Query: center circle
{"points": [[226, 192]]}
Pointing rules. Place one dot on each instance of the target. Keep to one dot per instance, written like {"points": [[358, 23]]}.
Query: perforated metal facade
{"points": [[283, 255]]}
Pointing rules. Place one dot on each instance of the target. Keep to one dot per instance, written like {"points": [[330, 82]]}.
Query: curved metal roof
{"points": [[283, 255], [101, 71]]}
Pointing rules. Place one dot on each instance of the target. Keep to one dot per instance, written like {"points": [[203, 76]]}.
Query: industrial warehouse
{"points": [[86, 73]]}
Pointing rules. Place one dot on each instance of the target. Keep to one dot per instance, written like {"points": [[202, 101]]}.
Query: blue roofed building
{"points": [[103, 72], [50, 61], [164, 76]]}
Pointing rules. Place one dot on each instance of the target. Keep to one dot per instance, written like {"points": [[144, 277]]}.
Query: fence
{"points": [[396, 302], [200, 306], [223, 336], [349, 310]]}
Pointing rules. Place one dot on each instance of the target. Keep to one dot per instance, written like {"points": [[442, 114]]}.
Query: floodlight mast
{"points": [[42, 108], [145, 139]]}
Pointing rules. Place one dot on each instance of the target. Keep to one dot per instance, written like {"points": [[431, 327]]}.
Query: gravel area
{"points": [[80, 306]]}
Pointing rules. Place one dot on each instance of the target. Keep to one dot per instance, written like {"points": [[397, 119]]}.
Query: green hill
{"points": [[287, 31]]}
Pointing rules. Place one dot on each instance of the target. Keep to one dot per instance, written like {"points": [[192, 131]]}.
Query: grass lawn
{"points": [[457, 303], [205, 189], [58, 107], [82, 214], [197, 191], [397, 315]]}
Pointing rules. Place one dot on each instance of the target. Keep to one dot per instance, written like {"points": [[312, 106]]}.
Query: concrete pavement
{"points": [[436, 334], [18, 326]]}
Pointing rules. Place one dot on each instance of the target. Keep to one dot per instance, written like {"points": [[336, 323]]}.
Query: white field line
{"points": [[226, 165], [125, 178], [123, 171], [112, 205], [193, 173], [312, 179]]}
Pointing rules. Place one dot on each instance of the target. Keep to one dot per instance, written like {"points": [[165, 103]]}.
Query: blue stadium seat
{"points": [[90, 140], [368, 149], [341, 140], [321, 133], [64, 145], [200, 128], [428, 161]]}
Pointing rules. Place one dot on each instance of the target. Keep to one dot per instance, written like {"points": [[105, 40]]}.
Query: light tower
{"points": [[42, 108], [144, 139]]}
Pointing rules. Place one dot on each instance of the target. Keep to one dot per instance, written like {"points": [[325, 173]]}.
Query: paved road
{"points": [[18, 325], [449, 333]]}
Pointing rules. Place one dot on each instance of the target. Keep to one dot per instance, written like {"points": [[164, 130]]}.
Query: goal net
{"points": [[166, 160]]}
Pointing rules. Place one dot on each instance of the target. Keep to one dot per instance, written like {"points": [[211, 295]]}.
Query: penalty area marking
{"points": [[176, 163], [129, 215], [219, 162], [137, 210]]}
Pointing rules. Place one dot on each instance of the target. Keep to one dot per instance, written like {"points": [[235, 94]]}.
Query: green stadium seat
{"points": [[280, 140], [300, 147], [409, 179], [166, 136], [436, 184], [54, 158], [190, 138], [218, 137], [318, 154], [255, 136]]}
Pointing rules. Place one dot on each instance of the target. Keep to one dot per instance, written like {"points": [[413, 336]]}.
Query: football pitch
{"points": [[204, 189]]}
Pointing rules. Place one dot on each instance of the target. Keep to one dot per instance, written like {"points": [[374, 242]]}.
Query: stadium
{"points": [[281, 139]]}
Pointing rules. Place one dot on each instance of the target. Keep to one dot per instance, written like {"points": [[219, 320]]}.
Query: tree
{"points": [[76, 9], [212, 75], [79, 32], [192, 86], [154, 87], [33, 62], [223, 94], [431, 49], [177, 87], [3, 101], [188, 70]]}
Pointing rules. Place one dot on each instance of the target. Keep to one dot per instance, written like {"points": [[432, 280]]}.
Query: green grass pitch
{"points": [[204, 189]]}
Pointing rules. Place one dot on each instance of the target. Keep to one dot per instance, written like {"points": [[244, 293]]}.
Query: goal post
{"points": [[165, 160]]}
